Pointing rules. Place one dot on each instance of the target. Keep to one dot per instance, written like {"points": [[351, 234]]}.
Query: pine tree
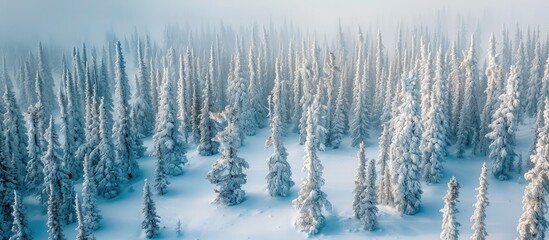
{"points": [[279, 178], [503, 129], [255, 94], [369, 198], [35, 148], [406, 152], [57, 175], [433, 145], [319, 118], [151, 220], [227, 171], [15, 136], [124, 142], [360, 183], [55, 231], [19, 229], [533, 222], [184, 95], [44, 71], [493, 78], [91, 217], [449, 222], [339, 118], [359, 121], [207, 146], [8, 185], [107, 175], [308, 92], [311, 199], [479, 215], [143, 80], [169, 145], [239, 102], [138, 112], [534, 83], [468, 125], [83, 231]]}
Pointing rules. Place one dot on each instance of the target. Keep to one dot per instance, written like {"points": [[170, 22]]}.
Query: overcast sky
{"points": [[86, 20]]}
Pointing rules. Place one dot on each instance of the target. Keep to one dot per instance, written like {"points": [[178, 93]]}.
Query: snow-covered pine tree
{"points": [[83, 231], [169, 145], [20, 230], [306, 100], [138, 112], [534, 83], [360, 183], [503, 129], [279, 178], [319, 118], [369, 198], [35, 148], [450, 224], [479, 214], [406, 153], [151, 221], [57, 175], [359, 121], [456, 86], [14, 133], [89, 209], [227, 171], [433, 142], [239, 102], [469, 121], [143, 78], [493, 81], [55, 230], [426, 80], [255, 93], [8, 184], [44, 71], [311, 199], [184, 95], [207, 146], [124, 142], [339, 117], [533, 222], [107, 175]]}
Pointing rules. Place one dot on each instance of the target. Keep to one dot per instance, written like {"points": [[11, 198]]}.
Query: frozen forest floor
{"points": [[263, 217]]}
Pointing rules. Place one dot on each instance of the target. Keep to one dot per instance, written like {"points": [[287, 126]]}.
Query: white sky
{"points": [[79, 20]]}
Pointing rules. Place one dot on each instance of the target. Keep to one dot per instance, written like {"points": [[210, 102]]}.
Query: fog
{"points": [[77, 21]]}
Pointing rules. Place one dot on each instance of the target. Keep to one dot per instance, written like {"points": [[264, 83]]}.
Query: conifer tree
{"points": [[184, 95], [227, 171], [534, 83], [239, 102], [91, 217], [369, 198], [14, 133], [144, 83], [503, 129], [83, 231], [19, 228], [359, 121], [107, 175], [433, 145], [55, 231], [493, 78], [73, 120], [35, 148], [479, 214], [311, 199], [450, 224], [533, 222], [124, 142], [44, 71], [339, 118], [406, 152], [8, 185], [207, 146], [151, 220], [138, 112], [279, 178], [255, 94], [169, 145], [469, 122], [360, 182]]}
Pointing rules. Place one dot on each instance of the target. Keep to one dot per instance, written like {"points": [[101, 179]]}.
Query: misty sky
{"points": [[79, 20]]}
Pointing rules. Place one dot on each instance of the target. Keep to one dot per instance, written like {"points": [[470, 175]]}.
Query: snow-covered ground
{"points": [[263, 217]]}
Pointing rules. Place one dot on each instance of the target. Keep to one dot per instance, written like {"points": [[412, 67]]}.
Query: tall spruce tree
{"points": [[227, 171], [14, 133], [20, 230], [279, 177], [311, 199], [107, 175], [151, 221], [450, 224], [123, 139], [503, 129], [91, 217], [207, 146], [479, 214]]}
